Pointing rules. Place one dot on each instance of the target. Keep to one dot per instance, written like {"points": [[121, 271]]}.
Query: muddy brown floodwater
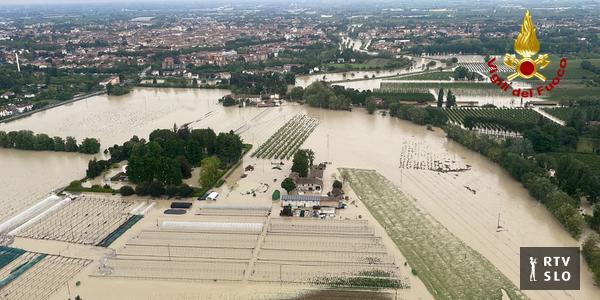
{"points": [[347, 139]]}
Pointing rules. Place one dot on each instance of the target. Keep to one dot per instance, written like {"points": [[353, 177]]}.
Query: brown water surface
{"points": [[348, 139]]}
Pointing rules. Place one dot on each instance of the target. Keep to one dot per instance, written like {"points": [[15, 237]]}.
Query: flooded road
{"points": [[347, 139], [356, 79]]}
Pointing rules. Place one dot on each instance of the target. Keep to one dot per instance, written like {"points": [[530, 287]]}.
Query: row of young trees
{"points": [[450, 99], [27, 140]]}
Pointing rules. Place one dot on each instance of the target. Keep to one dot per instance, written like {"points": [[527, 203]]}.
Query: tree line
{"points": [[322, 95], [591, 254], [27, 140], [419, 115], [271, 83]]}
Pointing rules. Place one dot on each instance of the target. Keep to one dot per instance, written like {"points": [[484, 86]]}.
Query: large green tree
{"points": [[300, 163], [71, 144], [319, 94], [371, 106], [89, 146], [229, 147], [209, 171], [288, 184]]}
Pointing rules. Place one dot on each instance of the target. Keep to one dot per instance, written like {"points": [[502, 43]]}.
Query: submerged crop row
{"points": [[449, 268], [288, 139]]}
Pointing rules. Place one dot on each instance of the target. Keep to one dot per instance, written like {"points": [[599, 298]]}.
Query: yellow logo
{"points": [[526, 45]]}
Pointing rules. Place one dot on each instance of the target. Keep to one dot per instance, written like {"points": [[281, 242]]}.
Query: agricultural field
{"points": [[563, 113], [568, 91], [484, 69], [288, 139], [573, 70], [592, 113], [304, 251], [575, 83], [326, 252], [415, 154], [457, 88], [449, 268], [85, 220], [404, 94], [517, 115], [30, 275]]}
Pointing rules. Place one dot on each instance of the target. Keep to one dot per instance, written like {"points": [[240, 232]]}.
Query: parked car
{"points": [[203, 197]]}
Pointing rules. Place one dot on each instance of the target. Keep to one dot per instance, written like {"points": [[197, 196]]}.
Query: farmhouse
{"points": [[313, 182]]}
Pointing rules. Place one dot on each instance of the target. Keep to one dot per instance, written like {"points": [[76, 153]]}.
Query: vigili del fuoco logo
{"points": [[528, 63]]}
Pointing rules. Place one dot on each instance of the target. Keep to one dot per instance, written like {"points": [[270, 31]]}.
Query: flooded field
{"points": [[469, 204], [449, 268]]}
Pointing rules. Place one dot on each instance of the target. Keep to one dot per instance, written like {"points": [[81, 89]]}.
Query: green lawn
{"points": [[572, 91], [586, 145]]}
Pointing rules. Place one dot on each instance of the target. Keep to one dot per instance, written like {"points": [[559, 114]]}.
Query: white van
{"points": [[212, 196]]}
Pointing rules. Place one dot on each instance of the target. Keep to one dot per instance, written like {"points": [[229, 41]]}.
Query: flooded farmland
{"points": [[470, 204]]}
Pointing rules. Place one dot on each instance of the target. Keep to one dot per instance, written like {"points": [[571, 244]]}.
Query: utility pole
{"points": [[18, 65], [68, 290]]}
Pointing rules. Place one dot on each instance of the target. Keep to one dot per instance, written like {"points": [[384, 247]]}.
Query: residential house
{"points": [[7, 95], [313, 183], [168, 63], [113, 80]]}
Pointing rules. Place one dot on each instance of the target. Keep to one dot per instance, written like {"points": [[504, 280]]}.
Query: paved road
{"points": [[549, 116]]}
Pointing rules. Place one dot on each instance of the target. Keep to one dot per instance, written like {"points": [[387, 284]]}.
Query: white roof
{"points": [[211, 226]]}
